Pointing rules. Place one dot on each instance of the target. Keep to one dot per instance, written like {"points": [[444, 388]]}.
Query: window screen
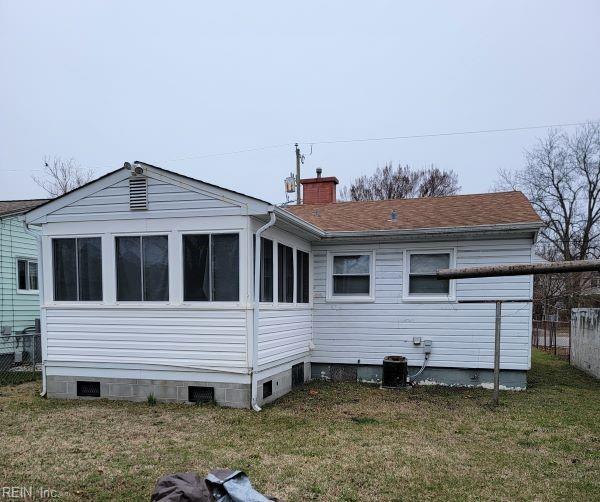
{"points": [[77, 267], [225, 267], [196, 270], [422, 274], [266, 270], [302, 277], [89, 268], [285, 263], [155, 254], [142, 268], [352, 275], [211, 267]]}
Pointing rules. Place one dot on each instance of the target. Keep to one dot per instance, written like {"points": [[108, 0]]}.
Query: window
{"points": [[211, 267], [27, 276], [77, 264], [285, 273], [351, 275], [422, 268], [266, 269], [302, 277], [142, 268]]}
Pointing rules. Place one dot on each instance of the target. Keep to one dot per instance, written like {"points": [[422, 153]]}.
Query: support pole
{"points": [[496, 396], [298, 161]]}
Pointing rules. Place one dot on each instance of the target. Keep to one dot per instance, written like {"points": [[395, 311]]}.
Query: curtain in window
{"points": [[155, 252], [266, 270], [33, 275], [225, 267], [64, 258], [89, 265], [302, 277], [129, 269], [196, 269], [285, 261]]}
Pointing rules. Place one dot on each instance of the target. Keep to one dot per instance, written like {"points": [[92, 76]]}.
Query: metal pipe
{"points": [[561, 267], [256, 309], [496, 396], [38, 238]]}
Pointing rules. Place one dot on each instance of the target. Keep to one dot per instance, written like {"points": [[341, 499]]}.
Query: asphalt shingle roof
{"points": [[19, 206], [427, 212]]}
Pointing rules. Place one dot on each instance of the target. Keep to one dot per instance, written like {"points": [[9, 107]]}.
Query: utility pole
{"points": [[299, 160]]}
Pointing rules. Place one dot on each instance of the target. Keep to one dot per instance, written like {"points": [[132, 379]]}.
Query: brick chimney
{"points": [[319, 190]]}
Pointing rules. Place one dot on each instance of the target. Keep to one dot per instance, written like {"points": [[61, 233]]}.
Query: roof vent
{"points": [[138, 193], [393, 215]]}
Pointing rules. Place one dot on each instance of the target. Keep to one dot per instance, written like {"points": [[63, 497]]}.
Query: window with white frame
{"points": [[422, 269], [285, 273], [351, 275], [211, 267], [142, 268], [27, 275], [302, 277], [77, 269]]}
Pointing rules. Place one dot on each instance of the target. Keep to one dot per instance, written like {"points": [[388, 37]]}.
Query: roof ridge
{"points": [[442, 197]]}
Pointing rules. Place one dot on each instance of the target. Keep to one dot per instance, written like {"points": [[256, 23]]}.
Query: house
{"points": [[19, 303], [148, 288]]}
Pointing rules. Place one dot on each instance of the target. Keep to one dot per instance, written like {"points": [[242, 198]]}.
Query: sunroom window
{"points": [[77, 269], [285, 272], [211, 267], [422, 279], [142, 268]]}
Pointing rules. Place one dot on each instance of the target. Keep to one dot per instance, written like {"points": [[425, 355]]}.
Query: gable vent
{"points": [[138, 193]]}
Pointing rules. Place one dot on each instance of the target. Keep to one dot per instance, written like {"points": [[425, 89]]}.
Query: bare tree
{"points": [[401, 183], [62, 175], [562, 180]]}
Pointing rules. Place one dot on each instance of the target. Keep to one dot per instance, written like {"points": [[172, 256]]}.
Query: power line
{"points": [[353, 140], [441, 134]]}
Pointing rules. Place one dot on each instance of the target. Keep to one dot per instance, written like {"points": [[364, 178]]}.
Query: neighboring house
{"points": [[19, 302], [148, 289]]}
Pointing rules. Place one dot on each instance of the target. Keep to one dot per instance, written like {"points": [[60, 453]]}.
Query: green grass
{"points": [[344, 442], [17, 377]]}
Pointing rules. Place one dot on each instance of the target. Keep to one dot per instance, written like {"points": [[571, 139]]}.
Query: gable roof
{"points": [[10, 207], [106, 180], [489, 209]]}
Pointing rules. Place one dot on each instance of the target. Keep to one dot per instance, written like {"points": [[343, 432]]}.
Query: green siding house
{"points": [[19, 301]]}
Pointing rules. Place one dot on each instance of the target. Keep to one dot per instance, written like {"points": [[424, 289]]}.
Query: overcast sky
{"points": [[172, 82]]}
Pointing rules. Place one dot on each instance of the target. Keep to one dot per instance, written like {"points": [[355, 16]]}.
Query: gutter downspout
{"points": [[256, 309], [38, 237]]}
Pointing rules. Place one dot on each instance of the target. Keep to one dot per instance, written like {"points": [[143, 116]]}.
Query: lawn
{"points": [[321, 442]]}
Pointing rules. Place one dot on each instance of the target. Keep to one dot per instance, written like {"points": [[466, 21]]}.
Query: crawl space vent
{"points": [[297, 374], [201, 394], [88, 389], [267, 389], [138, 193]]}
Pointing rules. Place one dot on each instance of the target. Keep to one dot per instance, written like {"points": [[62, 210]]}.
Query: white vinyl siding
{"points": [[462, 334], [284, 334], [159, 337], [164, 200]]}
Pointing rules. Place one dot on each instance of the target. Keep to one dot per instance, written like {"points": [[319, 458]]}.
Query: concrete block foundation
{"points": [[454, 377], [232, 395]]}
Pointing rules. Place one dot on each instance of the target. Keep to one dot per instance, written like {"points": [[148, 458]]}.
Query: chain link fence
{"points": [[20, 357], [552, 336]]}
